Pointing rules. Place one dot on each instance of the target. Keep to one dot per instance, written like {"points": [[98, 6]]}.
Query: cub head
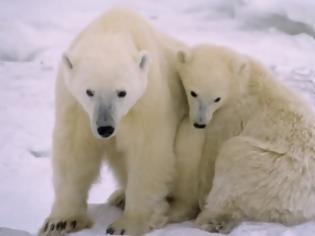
{"points": [[106, 86], [211, 77]]}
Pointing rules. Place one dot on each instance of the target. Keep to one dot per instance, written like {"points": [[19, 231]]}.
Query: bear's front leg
{"points": [[76, 164], [189, 146], [150, 172]]}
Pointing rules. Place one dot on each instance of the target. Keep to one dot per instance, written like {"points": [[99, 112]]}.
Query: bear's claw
{"points": [[73, 224], [117, 199], [60, 227], [111, 231]]}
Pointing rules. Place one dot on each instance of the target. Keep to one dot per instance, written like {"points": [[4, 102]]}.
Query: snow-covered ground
{"points": [[33, 34]]}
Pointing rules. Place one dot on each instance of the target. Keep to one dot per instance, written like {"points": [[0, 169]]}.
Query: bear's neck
{"points": [[258, 93]]}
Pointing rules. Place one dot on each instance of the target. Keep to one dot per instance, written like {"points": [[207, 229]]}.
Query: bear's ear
{"points": [[66, 60], [143, 60], [183, 56], [240, 66]]}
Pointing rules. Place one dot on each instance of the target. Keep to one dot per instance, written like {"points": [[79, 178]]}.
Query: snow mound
{"points": [[17, 42], [292, 19]]}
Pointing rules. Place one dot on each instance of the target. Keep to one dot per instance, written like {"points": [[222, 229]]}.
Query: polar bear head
{"points": [[210, 76], [107, 78]]}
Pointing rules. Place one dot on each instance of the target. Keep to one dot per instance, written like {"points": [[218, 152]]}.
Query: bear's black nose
{"points": [[105, 131], [199, 126]]}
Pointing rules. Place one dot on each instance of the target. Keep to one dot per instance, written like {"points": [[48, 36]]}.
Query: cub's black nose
{"points": [[105, 131], [199, 126]]}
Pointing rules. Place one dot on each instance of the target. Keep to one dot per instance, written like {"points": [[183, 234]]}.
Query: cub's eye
{"points": [[121, 94], [217, 99], [193, 94], [90, 92]]}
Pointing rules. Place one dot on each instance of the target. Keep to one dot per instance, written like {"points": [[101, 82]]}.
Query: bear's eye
{"points": [[121, 94], [193, 94], [217, 99], [89, 92]]}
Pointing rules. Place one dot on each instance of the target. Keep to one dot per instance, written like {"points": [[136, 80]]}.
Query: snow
{"points": [[33, 35]]}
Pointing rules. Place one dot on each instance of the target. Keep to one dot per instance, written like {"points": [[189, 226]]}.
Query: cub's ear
{"points": [[240, 66], [183, 56], [66, 60], [143, 60]]}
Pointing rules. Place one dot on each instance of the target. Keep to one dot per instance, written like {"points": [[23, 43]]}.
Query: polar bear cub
{"points": [[260, 137]]}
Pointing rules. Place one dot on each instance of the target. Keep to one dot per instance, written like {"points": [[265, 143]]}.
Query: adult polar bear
{"points": [[118, 94]]}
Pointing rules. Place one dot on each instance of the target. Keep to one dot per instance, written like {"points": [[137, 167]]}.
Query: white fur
{"points": [[189, 146], [260, 139], [118, 51]]}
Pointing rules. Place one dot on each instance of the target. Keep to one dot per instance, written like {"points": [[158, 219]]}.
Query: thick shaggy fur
{"points": [[260, 141], [118, 49], [189, 147]]}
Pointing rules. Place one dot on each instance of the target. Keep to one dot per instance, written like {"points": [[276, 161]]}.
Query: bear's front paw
{"points": [[223, 225], [129, 226], [181, 211], [60, 226], [117, 199]]}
